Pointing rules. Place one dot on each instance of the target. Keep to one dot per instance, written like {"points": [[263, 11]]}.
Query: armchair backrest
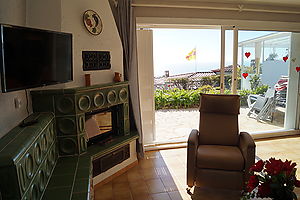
{"points": [[219, 119]]}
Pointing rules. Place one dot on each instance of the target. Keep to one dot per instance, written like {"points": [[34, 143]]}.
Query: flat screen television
{"points": [[33, 58]]}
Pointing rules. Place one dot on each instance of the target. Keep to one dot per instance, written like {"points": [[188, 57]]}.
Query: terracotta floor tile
{"points": [[152, 154], [145, 164], [105, 192], [170, 184], [139, 188], [123, 193], [162, 174], [150, 173], [142, 197], [159, 162], [161, 196], [135, 175], [162, 171], [121, 179], [121, 187], [179, 195], [155, 186]]}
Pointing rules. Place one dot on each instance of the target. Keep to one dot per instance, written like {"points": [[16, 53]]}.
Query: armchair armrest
{"points": [[247, 147], [191, 156]]}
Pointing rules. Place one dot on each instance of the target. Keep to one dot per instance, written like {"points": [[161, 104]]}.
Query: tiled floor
{"points": [[161, 175]]}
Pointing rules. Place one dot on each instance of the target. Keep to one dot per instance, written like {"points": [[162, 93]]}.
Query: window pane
{"points": [[264, 71]]}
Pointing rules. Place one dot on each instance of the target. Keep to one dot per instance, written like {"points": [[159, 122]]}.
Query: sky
{"points": [[171, 46]]}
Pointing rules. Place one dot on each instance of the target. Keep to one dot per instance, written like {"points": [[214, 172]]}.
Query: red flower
{"points": [[273, 166], [258, 166], [288, 167], [264, 190], [253, 183], [297, 183]]}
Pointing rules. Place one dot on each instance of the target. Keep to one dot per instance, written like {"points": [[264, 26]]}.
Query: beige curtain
{"points": [[125, 20]]}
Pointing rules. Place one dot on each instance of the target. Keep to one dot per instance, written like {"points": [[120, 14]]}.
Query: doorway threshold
{"points": [[257, 136], [165, 145]]}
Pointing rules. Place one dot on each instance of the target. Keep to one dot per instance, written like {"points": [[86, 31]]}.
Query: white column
{"points": [[222, 61], [235, 60], [146, 82], [257, 56]]}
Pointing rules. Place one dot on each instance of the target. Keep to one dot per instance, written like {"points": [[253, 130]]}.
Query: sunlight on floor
{"points": [[176, 124], [161, 175]]}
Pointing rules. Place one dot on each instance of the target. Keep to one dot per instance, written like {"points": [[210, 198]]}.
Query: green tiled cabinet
{"points": [[28, 156], [70, 105]]}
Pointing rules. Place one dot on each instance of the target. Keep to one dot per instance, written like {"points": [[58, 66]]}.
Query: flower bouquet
{"points": [[273, 179]]}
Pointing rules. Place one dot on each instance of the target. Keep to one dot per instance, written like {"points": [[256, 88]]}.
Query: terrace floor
{"points": [[175, 125]]}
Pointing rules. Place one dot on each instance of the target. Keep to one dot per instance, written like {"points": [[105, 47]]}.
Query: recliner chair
{"points": [[218, 156]]}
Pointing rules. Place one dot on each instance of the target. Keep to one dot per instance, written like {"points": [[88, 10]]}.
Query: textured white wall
{"points": [[108, 40], [12, 12], [65, 16], [39, 17]]}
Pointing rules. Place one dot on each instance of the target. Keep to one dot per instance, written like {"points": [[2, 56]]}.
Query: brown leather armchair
{"points": [[218, 155]]}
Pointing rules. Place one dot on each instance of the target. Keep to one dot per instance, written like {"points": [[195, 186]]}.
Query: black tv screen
{"points": [[33, 58]]}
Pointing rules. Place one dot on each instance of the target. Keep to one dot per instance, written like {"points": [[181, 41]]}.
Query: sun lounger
{"points": [[263, 107]]}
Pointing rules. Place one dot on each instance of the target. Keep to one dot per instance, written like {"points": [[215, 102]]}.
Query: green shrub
{"points": [[180, 98]]}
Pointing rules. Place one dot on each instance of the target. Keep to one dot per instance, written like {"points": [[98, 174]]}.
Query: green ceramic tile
{"points": [[81, 185], [43, 103], [66, 166], [68, 145], [57, 181], [80, 196], [84, 161], [84, 102], [82, 143], [57, 194], [9, 137], [9, 183], [71, 160], [64, 105], [83, 173]]}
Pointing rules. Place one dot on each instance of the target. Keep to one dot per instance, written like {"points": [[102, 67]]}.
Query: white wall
{"points": [[272, 70], [38, 17], [65, 16], [12, 12], [108, 40]]}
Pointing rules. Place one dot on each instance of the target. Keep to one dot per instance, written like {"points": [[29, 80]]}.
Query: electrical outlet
{"points": [[17, 102]]}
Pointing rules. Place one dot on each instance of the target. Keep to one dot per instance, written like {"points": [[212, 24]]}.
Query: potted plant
{"points": [[273, 179]]}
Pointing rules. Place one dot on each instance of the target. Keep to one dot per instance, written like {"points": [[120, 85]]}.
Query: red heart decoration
{"points": [[247, 54], [245, 75], [285, 58], [297, 69]]}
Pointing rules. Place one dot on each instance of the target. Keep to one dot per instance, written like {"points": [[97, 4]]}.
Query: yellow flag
{"points": [[191, 55]]}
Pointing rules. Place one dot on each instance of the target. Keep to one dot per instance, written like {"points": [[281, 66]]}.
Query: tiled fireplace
{"points": [[94, 121], [76, 107]]}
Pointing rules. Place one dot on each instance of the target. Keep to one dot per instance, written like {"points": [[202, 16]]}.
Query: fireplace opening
{"points": [[99, 126]]}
